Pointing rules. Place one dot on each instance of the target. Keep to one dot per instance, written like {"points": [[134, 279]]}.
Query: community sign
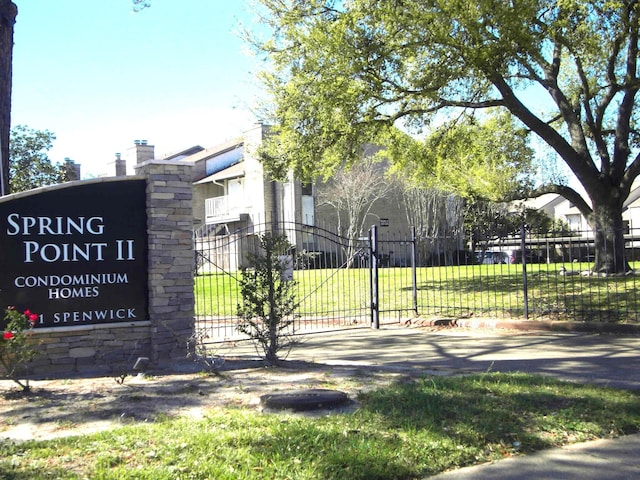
{"points": [[77, 254]]}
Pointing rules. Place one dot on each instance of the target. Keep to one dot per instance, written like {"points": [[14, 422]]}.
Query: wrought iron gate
{"points": [[332, 275]]}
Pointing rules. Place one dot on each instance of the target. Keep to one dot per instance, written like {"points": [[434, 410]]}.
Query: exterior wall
{"points": [[632, 215], [200, 194], [389, 209], [114, 348], [567, 212], [259, 192], [199, 170]]}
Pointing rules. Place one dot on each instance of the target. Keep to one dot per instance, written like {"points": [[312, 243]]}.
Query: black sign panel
{"points": [[76, 255]]}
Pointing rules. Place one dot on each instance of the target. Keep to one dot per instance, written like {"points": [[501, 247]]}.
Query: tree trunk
{"points": [[8, 12], [609, 230]]}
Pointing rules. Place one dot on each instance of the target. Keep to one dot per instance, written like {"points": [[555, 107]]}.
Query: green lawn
{"points": [[410, 430], [449, 291]]}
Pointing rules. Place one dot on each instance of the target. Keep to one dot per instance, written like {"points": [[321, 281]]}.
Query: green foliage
{"points": [[487, 221], [487, 157], [29, 165], [414, 428], [268, 298], [16, 345], [139, 5], [344, 74]]}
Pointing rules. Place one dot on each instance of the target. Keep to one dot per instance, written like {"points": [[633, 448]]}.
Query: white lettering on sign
{"points": [[80, 292], [93, 315], [19, 225], [125, 250], [65, 252], [33, 281]]}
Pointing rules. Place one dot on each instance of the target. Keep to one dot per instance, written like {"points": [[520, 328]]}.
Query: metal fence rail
{"points": [[391, 278], [330, 271], [555, 280]]}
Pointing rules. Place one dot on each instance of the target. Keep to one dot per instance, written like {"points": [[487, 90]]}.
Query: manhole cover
{"points": [[301, 400]]}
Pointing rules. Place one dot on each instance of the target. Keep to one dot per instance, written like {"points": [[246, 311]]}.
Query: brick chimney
{"points": [[141, 151], [121, 166]]}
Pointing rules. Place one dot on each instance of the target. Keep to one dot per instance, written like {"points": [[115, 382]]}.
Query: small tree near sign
{"points": [[268, 298]]}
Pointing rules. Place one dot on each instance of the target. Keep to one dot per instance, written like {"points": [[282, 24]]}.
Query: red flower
{"points": [[33, 318], [8, 335], [27, 312]]}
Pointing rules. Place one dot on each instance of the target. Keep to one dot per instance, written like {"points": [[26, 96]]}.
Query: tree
{"points": [[346, 72], [8, 13], [485, 157], [268, 298], [487, 222], [352, 192], [29, 165], [436, 216]]}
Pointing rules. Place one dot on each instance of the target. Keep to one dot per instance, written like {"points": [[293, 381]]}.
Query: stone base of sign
{"points": [[109, 349]]}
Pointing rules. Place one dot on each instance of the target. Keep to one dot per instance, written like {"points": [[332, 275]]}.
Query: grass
{"points": [[411, 429], [448, 291]]}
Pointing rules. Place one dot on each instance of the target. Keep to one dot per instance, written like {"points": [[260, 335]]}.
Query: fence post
{"points": [[373, 255], [414, 275], [525, 290]]}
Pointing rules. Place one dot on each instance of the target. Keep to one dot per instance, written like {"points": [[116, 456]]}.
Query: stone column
{"points": [[171, 257]]}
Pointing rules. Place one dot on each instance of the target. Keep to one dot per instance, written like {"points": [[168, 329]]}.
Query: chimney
{"points": [[121, 166], [141, 151], [72, 168]]}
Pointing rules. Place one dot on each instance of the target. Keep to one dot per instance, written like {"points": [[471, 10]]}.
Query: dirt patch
{"points": [[64, 407]]}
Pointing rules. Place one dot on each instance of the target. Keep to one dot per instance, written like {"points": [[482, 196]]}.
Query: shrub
{"points": [[268, 298], [16, 348]]}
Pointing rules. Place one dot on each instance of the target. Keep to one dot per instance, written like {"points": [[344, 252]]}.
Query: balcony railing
{"points": [[223, 209]]}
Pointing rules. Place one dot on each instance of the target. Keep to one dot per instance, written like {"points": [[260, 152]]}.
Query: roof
{"points": [[234, 171], [179, 155]]}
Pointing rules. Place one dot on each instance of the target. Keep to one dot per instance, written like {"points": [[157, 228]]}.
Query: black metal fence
{"points": [[331, 274], [522, 276], [385, 278]]}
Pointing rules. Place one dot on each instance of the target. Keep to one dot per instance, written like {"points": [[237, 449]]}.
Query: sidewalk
{"points": [[609, 360], [606, 360], [602, 459]]}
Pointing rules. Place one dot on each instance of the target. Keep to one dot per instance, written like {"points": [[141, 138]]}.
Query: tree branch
{"points": [[564, 191]]}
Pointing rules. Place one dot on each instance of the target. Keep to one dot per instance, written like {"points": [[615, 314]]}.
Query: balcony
{"points": [[223, 209]]}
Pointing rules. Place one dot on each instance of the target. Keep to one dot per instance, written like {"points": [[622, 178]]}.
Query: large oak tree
{"points": [[346, 71]]}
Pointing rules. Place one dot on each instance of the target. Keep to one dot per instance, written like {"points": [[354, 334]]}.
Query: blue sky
{"points": [[99, 76]]}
